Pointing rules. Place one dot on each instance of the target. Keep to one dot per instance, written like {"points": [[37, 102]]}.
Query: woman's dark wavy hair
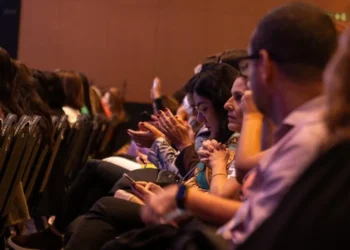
{"points": [[18, 93], [73, 87], [55, 91], [215, 83]]}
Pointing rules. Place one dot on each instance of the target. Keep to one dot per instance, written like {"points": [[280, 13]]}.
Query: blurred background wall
{"points": [[134, 40]]}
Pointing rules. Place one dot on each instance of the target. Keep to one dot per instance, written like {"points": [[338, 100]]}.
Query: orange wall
{"points": [[134, 40]]}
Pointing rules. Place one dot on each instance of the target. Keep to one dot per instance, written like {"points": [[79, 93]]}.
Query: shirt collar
{"points": [[308, 112]]}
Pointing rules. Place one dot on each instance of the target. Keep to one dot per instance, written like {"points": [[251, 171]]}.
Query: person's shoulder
{"points": [[303, 139], [311, 132]]}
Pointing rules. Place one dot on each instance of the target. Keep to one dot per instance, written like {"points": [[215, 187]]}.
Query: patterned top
{"points": [[163, 155]]}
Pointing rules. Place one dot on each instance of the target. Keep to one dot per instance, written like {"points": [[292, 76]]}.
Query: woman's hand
{"points": [[175, 129], [217, 155], [146, 135], [145, 190], [142, 158], [203, 155], [248, 105], [159, 205], [150, 186]]}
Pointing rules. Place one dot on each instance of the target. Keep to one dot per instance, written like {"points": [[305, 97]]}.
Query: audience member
{"points": [[55, 93], [286, 78], [298, 222], [96, 101], [113, 104], [244, 154], [73, 88]]}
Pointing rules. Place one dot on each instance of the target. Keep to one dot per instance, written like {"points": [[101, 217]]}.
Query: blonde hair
{"points": [[116, 103], [95, 101]]}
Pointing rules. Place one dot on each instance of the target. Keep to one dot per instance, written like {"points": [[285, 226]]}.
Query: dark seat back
{"points": [[52, 189], [61, 126], [34, 142], [103, 124], [94, 132], [43, 149], [82, 129], [108, 137], [6, 137], [11, 172]]}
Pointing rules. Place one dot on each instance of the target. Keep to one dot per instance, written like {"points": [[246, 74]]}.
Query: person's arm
{"points": [[225, 188], [249, 152], [156, 94], [163, 155], [209, 207], [249, 146], [200, 204]]}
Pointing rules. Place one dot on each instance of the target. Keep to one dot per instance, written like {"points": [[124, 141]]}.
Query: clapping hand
{"points": [[179, 132], [146, 135]]}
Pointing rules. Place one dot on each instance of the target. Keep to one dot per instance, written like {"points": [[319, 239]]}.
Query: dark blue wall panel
{"points": [[9, 25]]}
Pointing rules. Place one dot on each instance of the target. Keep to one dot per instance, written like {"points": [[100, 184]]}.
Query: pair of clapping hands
{"points": [[163, 125]]}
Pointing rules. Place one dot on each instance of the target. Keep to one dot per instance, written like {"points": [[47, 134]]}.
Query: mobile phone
{"points": [[131, 181]]}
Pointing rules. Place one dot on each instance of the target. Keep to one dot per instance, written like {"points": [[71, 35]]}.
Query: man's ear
{"points": [[265, 66]]}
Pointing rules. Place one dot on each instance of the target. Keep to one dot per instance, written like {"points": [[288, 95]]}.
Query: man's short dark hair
{"points": [[299, 37]]}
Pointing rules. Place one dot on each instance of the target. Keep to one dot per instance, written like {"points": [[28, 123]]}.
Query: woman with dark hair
{"points": [[18, 95], [55, 93], [41, 84], [210, 95], [73, 88]]}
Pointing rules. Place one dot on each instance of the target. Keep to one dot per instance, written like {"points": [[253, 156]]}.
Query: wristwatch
{"points": [[181, 196]]}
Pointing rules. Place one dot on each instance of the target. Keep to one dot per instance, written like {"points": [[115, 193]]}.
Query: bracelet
{"points": [[181, 196], [218, 174]]}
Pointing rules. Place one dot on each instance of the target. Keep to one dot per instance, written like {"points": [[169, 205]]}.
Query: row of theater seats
{"points": [[27, 158]]}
